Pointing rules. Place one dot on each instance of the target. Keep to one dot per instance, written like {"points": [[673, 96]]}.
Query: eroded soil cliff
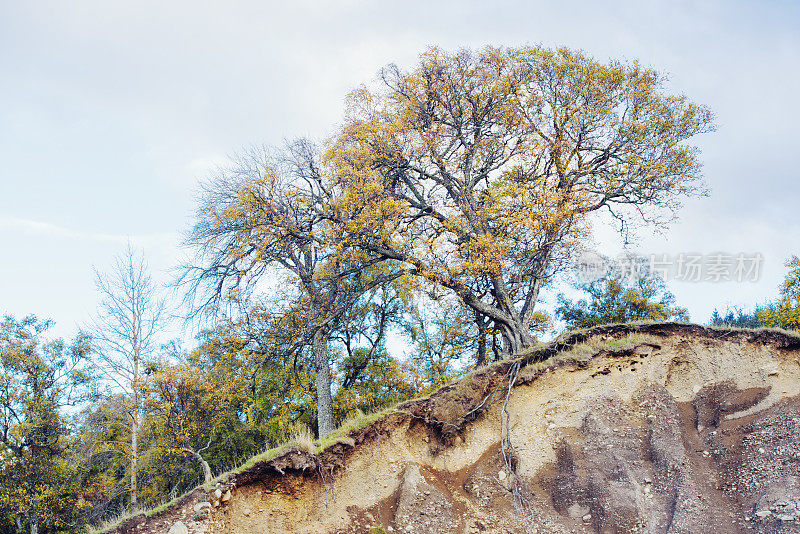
{"points": [[631, 428]]}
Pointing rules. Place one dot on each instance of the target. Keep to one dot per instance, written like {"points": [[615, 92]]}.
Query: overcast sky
{"points": [[110, 113]]}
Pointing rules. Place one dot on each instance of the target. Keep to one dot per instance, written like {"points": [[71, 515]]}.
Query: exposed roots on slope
{"points": [[518, 488]]}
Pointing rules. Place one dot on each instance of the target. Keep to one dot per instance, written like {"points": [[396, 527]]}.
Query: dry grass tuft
{"points": [[301, 438], [591, 347], [352, 419], [351, 423]]}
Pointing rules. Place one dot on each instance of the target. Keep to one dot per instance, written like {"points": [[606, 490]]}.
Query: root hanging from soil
{"points": [[322, 475], [518, 489]]}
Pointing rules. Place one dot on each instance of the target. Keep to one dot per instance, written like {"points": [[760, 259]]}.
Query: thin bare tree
{"points": [[125, 332]]}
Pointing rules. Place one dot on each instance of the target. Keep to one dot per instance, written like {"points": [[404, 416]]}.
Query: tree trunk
{"points": [[515, 337], [323, 369], [135, 431], [134, 462], [496, 349], [34, 519], [33, 511], [483, 327], [481, 350], [206, 468]]}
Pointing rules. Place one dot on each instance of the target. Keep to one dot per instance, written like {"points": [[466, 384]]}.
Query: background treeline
{"points": [[67, 424], [451, 196]]}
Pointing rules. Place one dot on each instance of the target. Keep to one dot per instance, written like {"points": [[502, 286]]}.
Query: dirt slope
{"points": [[631, 428]]}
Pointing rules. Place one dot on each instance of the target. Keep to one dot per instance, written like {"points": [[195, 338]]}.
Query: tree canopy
{"points": [[478, 170], [265, 217]]}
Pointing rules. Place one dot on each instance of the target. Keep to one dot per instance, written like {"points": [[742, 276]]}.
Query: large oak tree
{"points": [[479, 171]]}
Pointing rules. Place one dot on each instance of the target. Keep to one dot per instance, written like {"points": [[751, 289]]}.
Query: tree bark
{"points": [[481, 350], [206, 468], [33, 511], [34, 519], [496, 349], [503, 313], [134, 466], [483, 327], [323, 382], [515, 337], [135, 432]]}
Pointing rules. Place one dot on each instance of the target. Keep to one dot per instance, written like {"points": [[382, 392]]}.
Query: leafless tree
{"points": [[124, 332]]}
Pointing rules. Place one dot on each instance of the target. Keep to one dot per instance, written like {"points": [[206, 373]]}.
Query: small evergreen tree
{"points": [[614, 300], [735, 317]]}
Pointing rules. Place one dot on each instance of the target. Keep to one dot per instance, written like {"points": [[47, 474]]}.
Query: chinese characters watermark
{"points": [[684, 267]]}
